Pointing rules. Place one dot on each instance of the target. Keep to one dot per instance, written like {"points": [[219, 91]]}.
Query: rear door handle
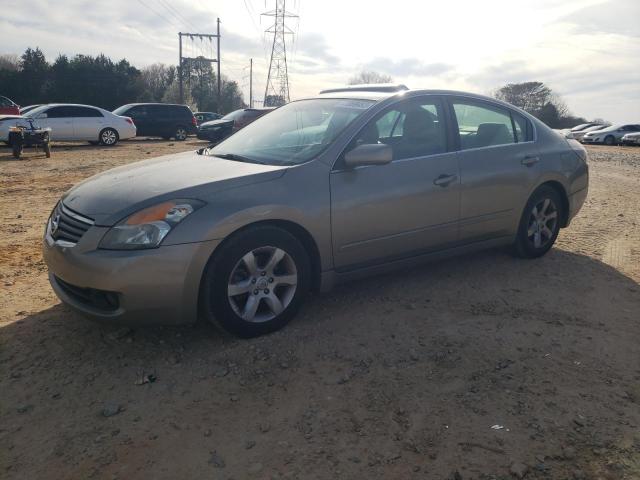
{"points": [[444, 180], [530, 160]]}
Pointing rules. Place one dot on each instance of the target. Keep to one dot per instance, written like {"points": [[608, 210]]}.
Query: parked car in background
{"points": [[631, 139], [319, 191], [582, 126], [217, 130], [610, 135], [202, 117], [581, 133], [75, 122], [160, 119], [8, 107], [28, 108]]}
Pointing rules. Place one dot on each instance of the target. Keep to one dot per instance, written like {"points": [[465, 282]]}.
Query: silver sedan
{"points": [[349, 183]]}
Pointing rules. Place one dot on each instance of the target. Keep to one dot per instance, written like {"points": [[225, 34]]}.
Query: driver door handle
{"points": [[444, 180]]}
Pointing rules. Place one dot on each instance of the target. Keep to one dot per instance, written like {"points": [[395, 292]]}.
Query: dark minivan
{"points": [[160, 119]]}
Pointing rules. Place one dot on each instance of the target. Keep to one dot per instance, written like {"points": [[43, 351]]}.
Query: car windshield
{"points": [[292, 134], [33, 113], [121, 110]]}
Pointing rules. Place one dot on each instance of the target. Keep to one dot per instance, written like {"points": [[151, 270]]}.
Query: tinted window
{"points": [[414, 128], [180, 111], [482, 125], [83, 112], [58, 112], [137, 111], [5, 102]]}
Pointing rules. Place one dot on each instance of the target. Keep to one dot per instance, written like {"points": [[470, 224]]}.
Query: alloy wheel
{"points": [[543, 222], [262, 284], [181, 134], [109, 137]]}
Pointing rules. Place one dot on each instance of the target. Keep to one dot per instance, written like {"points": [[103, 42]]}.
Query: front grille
{"points": [[67, 225], [100, 299]]}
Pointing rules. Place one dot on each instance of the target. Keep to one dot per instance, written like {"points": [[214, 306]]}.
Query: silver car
{"points": [[323, 190], [610, 135], [579, 135]]}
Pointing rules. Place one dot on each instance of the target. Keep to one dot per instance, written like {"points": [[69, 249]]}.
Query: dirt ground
{"points": [[480, 367]]}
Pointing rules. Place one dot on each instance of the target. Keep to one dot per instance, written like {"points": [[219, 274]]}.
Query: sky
{"points": [[587, 51]]}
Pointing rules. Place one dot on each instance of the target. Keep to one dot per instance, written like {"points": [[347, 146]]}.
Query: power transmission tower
{"points": [[184, 61], [277, 90]]}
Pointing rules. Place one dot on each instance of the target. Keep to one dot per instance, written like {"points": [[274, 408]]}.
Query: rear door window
{"points": [[524, 130], [482, 125]]}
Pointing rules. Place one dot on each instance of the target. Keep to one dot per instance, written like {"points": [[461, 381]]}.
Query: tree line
{"points": [[100, 81]]}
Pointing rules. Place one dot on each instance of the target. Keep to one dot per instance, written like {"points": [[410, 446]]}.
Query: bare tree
{"points": [[10, 61], [365, 77], [539, 100]]}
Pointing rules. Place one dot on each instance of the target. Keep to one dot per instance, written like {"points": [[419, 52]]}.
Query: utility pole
{"points": [[218, 61], [251, 83], [186, 61], [277, 90]]}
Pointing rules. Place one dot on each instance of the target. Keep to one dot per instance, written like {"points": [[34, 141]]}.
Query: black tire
{"points": [[108, 137], [525, 244], [216, 305], [181, 133], [17, 151], [609, 140]]}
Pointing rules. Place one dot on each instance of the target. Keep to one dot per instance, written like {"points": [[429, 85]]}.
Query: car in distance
{"points": [[579, 135], [202, 117], [631, 139], [320, 191], [610, 135], [160, 119], [8, 107], [28, 108], [71, 122], [582, 126], [217, 130]]}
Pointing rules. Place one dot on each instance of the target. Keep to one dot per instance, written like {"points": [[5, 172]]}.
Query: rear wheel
{"points": [[181, 134], [539, 224], [256, 282], [108, 137]]}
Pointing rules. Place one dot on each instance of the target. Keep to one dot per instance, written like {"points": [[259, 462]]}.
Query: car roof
{"points": [[158, 103], [379, 96]]}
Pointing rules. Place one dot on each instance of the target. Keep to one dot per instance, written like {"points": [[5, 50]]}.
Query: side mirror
{"points": [[369, 154]]}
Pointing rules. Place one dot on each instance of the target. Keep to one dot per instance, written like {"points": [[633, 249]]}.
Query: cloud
{"points": [[406, 67]]}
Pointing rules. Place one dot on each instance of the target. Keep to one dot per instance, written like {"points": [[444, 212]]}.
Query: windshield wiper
{"points": [[237, 158]]}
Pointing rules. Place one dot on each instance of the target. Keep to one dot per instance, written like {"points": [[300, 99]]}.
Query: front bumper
{"points": [[142, 287]]}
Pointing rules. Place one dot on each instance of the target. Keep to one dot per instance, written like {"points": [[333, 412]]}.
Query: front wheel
{"points": [[108, 137], [539, 224], [609, 140], [256, 282], [181, 134]]}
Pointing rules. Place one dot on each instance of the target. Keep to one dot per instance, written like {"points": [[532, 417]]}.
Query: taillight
{"points": [[194, 122], [129, 120]]}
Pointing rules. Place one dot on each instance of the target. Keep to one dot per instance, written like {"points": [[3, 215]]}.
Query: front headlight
{"points": [[148, 227]]}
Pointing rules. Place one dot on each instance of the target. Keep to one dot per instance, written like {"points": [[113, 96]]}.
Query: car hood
{"points": [[216, 123], [110, 196]]}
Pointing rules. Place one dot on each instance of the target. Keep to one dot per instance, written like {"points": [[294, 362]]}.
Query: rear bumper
{"points": [[142, 287], [576, 200]]}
